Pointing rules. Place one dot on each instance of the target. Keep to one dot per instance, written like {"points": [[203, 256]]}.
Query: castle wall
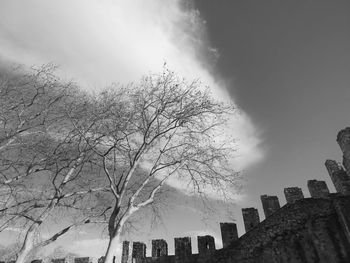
{"points": [[318, 189], [183, 249], [126, 252], [270, 204], [339, 177], [310, 230], [229, 233], [250, 217], [82, 260], [138, 250], [343, 139], [293, 194], [159, 248], [346, 164], [206, 245]]}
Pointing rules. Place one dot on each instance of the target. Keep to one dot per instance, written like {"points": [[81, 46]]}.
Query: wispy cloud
{"points": [[14, 229], [97, 42], [95, 247]]}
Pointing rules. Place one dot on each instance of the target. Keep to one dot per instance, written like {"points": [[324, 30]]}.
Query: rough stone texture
{"points": [[127, 252], [346, 164], [159, 248], [308, 231], [183, 247], [293, 194], [206, 245], [229, 233], [34, 261], [318, 189], [58, 260], [342, 206], [250, 217], [339, 177], [343, 139], [138, 250], [270, 204], [82, 260], [312, 230]]}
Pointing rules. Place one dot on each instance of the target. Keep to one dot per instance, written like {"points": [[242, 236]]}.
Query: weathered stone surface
{"points": [[309, 230], [127, 252], [138, 250], [206, 245], [343, 139], [58, 260], [293, 194], [250, 217], [270, 204], [183, 247], [339, 177], [159, 248], [229, 233], [346, 164], [82, 260], [318, 189]]}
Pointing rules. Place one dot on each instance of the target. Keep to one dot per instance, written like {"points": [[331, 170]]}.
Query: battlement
{"points": [[293, 194], [315, 229], [270, 204], [340, 178], [302, 230], [250, 218], [343, 135], [318, 189]]}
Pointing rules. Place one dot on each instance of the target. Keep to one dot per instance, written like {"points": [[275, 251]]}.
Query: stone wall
{"points": [[318, 189], [310, 230], [229, 233], [82, 260], [206, 245], [270, 204], [159, 248], [293, 194], [250, 218]]}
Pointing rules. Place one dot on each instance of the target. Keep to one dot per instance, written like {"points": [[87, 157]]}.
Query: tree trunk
{"points": [[27, 244], [113, 244]]}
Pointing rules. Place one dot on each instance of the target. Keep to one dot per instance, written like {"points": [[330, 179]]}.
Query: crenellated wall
{"points": [[305, 230], [310, 230]]}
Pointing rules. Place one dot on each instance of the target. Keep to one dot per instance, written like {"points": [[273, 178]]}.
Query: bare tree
{"points": [[159, 129], [43, 156]]}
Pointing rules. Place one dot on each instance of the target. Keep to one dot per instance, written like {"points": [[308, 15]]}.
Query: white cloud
{"points": [[95, 247], [97, 42], [14, 229]]}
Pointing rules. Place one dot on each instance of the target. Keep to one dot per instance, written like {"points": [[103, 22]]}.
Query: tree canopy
{"points": [[103, 157]]}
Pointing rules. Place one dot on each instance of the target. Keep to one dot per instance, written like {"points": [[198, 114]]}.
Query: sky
{"points": [[288, 63], [285, 64]]}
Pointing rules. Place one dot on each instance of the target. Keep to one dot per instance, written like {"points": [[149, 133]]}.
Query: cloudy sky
{"points": [[286, 64]]}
